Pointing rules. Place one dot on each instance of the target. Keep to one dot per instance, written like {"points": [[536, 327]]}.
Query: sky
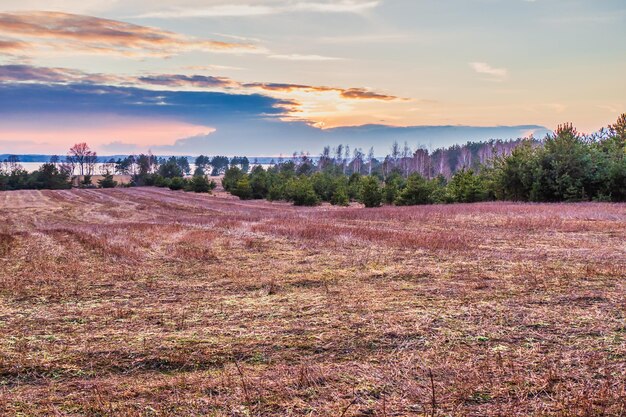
{"points": [[265, 77]]}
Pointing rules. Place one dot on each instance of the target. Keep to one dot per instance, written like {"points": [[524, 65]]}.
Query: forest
{"points": [[565, 166]]}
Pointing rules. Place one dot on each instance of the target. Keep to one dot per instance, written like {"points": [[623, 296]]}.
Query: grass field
{"points": [[147, 302]]}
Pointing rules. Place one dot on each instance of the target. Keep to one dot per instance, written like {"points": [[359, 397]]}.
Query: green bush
{"points": [[107, 181], [162, 182], [242, 189], [259, 182], [393, 185], [300, 191], [371, 193], [231, 178], [200, 184], [340, 198], [466, 187], [418, 190], [177, 183]]}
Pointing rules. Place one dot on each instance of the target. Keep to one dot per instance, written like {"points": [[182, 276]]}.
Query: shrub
{"points": [[393, 185], [301, 192], [371, 194], [107, 181], [355, 186], [340, 198], [177, 183], [200, 184], [466, 187], [418, 190], [86, 182], [243, 190], [231, 178], [163, 182], [259, 182], [48, 177], [276, 192]]}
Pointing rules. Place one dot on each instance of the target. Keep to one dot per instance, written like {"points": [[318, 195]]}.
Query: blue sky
{"points": [[271, 76]]}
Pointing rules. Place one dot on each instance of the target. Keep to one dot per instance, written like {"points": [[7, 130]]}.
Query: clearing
{"points": [[148, 302]]}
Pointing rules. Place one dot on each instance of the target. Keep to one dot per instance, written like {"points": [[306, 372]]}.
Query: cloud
{"points": [[27, 73], [198, 107], [211, 68], [85, 34], [284, 87], [345, 6], [11, 46], [231, 123], [297, 57], [484, 68], [178, 80], [247, 10], [362, 94], [347, 93], [226, 10]]}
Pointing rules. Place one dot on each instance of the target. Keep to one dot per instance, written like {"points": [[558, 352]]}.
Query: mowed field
{"points": [[148, 302]]}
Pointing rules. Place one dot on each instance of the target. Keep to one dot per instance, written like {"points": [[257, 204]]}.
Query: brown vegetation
{"points": [[147, 302]]}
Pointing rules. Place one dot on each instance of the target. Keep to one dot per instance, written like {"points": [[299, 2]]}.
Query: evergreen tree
{"points": [[418, 190], [371, 193]]}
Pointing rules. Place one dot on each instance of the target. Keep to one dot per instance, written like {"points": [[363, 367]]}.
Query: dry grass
{"points": [[146, 302]]}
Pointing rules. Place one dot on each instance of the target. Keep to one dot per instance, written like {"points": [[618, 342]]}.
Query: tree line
{"points": [[143, 170], [565, 166]]}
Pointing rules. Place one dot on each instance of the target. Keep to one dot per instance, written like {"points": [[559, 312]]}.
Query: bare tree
{"points": [[395, 152], [339, 154], [11, 164], [325, 158], [465, 158], [370, 160], [406, 152], [81, 155], [357, 163], [421, 162]]}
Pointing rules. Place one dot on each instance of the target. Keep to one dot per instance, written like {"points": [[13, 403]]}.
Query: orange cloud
{"points": [[362, 94], [9, 46], [347, 93], [27, 73], [89, 34]]}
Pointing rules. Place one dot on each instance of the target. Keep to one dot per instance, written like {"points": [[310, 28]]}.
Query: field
{"points": [[148, 302]]}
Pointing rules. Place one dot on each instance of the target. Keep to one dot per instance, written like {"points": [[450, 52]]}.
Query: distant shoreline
{"points": [[42, 159]]}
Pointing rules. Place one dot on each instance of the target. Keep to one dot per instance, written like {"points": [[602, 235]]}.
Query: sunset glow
{"points": [[221, 66]]}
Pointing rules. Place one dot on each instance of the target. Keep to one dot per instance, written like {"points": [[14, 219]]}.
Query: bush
{"points": [[276, 192], [243, 190], [340, 198], [231, 178], [418, 190], [301, 192], [200, 184], [466, 187], [259, 182], [371, 194], [162, 182], [177, 183], [86, 182], [47, 177], [107, 181], [393, 185], [355, 186]]}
